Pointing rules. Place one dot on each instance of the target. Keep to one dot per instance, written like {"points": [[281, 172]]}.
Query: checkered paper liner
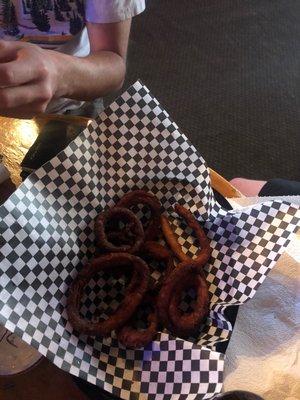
{"points": [[46, 230]]}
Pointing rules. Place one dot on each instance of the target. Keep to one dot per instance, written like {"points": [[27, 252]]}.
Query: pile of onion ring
{"points": [[126, 246]]}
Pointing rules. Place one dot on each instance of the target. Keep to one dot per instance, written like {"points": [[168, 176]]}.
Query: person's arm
{"points": [[30, 76], [103, 71]]}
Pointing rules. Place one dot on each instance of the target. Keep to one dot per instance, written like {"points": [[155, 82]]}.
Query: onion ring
{"points": [[184, 276], [186, 323], [159, 253], [205, 252], [122, 214], [171, 239], [136, 197], [119, 238], [136, 338], [133, 294]]}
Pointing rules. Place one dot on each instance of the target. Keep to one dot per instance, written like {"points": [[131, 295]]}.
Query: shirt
{"points": [[60, 25]]}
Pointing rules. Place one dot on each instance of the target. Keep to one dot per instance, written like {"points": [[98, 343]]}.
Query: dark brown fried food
{"points": [[205, 251], [129, 219], [130, 336], [159, 253], [133, 295], [119, 238], [186, 275], [135, 338], [171, 239], [187, 323], [120, 234], [136, 197]]}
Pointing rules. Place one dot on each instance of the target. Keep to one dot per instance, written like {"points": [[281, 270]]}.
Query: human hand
{"points": [[28, 79]]}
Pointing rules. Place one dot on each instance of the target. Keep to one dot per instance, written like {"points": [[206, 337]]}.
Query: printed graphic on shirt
{"points": [[44, 22]]}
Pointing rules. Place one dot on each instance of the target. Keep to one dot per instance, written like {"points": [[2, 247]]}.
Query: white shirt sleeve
{"points": [[107, 11]]}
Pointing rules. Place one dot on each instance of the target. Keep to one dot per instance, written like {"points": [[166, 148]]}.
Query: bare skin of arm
{"points": [[30, 77]]}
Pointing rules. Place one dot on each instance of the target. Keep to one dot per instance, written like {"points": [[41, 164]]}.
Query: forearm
{"points": [[89, 77]]}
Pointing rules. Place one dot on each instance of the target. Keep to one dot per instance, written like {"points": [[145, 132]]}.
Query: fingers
{"points": [[17, 96], [8, 50], [34, 97], [18, 64], [14, 73]]}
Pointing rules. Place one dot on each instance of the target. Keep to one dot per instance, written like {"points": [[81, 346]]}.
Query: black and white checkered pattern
{"points": [[47, 235]]}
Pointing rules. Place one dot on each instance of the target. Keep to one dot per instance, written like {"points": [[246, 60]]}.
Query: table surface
{"points": [[18, 135]]}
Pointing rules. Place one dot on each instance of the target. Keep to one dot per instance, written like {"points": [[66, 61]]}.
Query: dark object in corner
{"points": [[53, 138]]}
